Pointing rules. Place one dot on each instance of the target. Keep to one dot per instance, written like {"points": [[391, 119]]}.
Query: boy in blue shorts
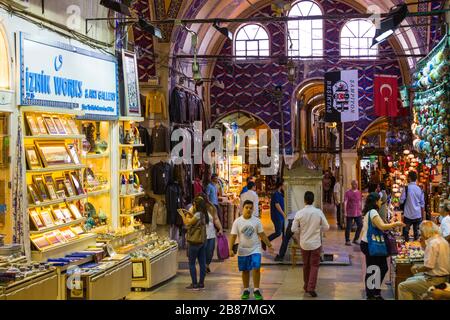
{"points": [[249, 230]]}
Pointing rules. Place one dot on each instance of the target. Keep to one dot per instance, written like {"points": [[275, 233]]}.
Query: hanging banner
{"points": [[341, 96], [59, 75]]}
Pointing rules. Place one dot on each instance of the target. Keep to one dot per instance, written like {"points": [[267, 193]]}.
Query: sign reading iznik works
{"points": [[63, 76]]}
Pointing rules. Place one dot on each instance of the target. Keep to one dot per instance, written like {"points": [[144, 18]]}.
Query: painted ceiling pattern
{"points": [[167, 9]]}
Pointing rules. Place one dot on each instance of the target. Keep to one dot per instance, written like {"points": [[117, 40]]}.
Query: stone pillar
{"points": [[349, 166]]}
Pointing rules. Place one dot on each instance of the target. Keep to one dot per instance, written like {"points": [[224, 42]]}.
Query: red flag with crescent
{"points": [[386, 95]]}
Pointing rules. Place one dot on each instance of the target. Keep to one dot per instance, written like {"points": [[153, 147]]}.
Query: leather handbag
{"points": [[391, 243], [375, 238], [196, 233]]}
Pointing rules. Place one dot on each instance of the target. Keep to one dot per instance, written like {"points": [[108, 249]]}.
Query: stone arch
{"points": [[5, 72]]}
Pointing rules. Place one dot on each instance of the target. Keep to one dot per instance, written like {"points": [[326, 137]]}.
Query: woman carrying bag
{"points": [[374, 247], [196, 238]]}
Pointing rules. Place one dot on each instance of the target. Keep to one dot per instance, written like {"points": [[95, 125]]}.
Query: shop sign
{"points": [[341, 94], [59, 75]]}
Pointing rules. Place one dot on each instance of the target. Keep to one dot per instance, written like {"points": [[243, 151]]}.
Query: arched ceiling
{"points": [[210, 41]]}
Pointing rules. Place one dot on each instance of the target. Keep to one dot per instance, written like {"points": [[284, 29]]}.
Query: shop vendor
{"points": [[436, 268]]}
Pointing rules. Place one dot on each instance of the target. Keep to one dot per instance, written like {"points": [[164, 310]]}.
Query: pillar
{"points": [[349, 166]]}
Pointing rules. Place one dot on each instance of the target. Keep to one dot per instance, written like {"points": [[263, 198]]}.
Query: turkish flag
{"points": [[386, 96]]}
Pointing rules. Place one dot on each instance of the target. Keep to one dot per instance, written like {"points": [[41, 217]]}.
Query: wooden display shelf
{"points": [[134, 119], [131, 145], [68, 224], [56, 137], [132, 214], [58, 201], [98, 193], [58, 168], [57, 250], [132, 170], [132, 195], [96, 156], [52, 110]]}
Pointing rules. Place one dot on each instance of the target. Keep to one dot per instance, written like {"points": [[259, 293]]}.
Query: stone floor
{"points": [[279, 282]]}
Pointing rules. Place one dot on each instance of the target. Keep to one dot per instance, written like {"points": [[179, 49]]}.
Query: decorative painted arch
{"points": [[5, 78]]}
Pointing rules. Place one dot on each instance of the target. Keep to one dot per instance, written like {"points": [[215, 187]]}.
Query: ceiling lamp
{"points": [[116, 6], [389, 24], [147, 27], [291, 71], [227, 33], [253, 142]]}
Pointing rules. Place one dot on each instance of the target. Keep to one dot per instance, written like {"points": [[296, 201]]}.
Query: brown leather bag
{"points": [[196, 233]]}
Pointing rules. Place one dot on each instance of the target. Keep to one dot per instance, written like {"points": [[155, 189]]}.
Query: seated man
{"points": [[436, 268]]}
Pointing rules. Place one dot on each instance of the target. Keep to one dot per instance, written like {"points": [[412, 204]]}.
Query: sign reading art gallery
{"points": [[59, 75], [341, 96]]}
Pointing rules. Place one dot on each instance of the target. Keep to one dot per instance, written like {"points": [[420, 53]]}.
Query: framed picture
{"points": [[61, 189], [77, 182], [66, 126], [59, 236], [67, 214], [40, 241], [138, 270], [69, 185], [32, 156], [59, 126], [53, 153], [50, 184], [131, 83], [73, 153], [33, 194], [78, 230], [34, 216], [76, 213], [40, 124], [31, 121], [50, 125], [47, 218], [68, 234], [73, 126], [58, 215], [41, 188]]}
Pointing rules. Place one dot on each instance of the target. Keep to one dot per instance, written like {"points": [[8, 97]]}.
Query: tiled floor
{"points": [[278, 282]]}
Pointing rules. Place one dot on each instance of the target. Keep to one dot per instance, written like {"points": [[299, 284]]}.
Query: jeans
{"points": [[348, 228], [415, 223], [415, 287], [311, 262], [373, 285], [279, 228], [195, 252], [210, 245], [286, 238]]}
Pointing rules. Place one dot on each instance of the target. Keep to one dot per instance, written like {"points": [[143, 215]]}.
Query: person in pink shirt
{"points": [[353, 209]]}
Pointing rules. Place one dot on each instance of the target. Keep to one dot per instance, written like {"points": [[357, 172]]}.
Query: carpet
{"points": [[338, 259]]}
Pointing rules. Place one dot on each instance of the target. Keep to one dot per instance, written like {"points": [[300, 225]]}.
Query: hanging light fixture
{"points": [[147, 27], [116, 6], [291, 71], [227, 33], [389, 24]]}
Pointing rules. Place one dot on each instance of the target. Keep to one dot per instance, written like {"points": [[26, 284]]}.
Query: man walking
{"points": [[253, 197], [414, 206], [310, 221], [353, 209]]}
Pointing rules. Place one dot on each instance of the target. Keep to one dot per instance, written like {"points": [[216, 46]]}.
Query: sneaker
{"points": [[278, 258], [312, 294], [378, 298], [356, 242], [245, 295], [258, 295], [192, 287], [347, 243], [208, 270], [201, 286]]}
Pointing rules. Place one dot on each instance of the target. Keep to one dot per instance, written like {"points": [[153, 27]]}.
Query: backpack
{"points": [[196, 233]]}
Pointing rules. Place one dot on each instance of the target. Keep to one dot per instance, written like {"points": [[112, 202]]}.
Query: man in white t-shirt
{"points": [[445, 222], [311, 222], [249, 229], [253, 197]]}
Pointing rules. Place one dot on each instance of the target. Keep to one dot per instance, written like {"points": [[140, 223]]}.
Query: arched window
{"points": [[251, 40], [356, 39], [306, 36], [4, 66]]}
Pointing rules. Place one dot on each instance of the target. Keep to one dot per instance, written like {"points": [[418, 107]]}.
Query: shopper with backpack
{"points": [[413, 204], [197, 238]]}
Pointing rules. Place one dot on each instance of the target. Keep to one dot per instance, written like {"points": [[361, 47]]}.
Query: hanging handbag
{"points": [[196, 233], [375, 239], [391, 243], [223, 251]]}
